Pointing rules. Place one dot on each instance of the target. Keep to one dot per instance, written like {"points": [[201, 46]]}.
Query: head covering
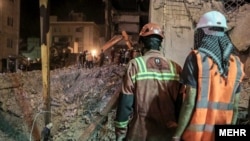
{"points": [[210, 38], [218, 48]]}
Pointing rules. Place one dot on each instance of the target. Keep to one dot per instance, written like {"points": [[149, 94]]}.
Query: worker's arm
{"points": [[125, 104], [123, 113], [235, 108], [186, 112], [179, 101], [189, 78]]}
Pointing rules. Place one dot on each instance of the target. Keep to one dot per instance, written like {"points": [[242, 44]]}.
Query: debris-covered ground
{"points": [[81, 102]]}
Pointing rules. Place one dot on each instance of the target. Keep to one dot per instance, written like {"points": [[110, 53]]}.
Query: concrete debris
{"points": [[240, 33], [78, 99]]}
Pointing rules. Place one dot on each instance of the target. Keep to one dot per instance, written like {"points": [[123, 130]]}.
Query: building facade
{"points": [[76, 35], [9, 31], [33, 51], [128, 16]]}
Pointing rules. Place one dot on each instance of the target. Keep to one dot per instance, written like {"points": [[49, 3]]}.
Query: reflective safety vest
{"points": [[144, 73], [215, 96]]}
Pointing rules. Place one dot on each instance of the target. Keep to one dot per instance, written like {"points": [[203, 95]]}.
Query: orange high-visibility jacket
{"points": [[215, 95]]}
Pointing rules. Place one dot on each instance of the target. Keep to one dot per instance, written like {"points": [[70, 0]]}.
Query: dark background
{"points": [[30, 13]]}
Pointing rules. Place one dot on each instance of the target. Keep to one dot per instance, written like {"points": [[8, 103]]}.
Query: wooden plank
{"points": [[44, 29], [92, 127]]}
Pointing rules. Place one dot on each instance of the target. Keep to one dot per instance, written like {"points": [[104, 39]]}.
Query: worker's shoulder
{"points": [[133, 61], [174, 63], [235, 57]]}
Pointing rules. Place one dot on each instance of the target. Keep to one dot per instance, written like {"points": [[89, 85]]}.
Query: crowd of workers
{"points": [[120, 57], [85, 60], [124, 55], [161, 101]]}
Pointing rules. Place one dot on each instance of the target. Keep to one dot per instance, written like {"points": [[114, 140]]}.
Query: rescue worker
{"points": [[84, 58], [112, 54], [127, 56], [212, 76], [80, 60], [147, 103], [89, 59], [102, 58]]}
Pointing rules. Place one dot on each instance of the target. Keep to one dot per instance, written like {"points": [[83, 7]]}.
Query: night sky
{"points": [[30, 16]]}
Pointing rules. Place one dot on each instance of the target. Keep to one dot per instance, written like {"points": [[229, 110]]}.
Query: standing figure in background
{"points": [[127, 56], [84, 58], [149, 100], [122, 56], [102, 58], [81, 60], [89, 59], [112, 54], [78, 60], [212, 76]]}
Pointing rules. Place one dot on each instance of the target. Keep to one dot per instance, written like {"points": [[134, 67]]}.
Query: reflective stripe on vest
{"points": [[204, 103], [145, 74], [201, 127]]}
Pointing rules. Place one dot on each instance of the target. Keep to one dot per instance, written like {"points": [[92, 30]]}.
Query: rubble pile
{"points": [[79, 98]]}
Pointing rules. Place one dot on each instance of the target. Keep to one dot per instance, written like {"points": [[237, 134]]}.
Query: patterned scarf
{"points": [[218, 48]]}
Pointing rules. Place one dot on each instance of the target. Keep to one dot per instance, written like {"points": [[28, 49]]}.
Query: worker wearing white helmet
{"points": [[211, 76], [212, 19]]}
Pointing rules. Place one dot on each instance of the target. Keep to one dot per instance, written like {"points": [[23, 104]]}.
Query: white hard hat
{"points": [[212, 19]]}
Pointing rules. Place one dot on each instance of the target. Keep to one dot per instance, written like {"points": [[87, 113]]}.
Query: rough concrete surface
{"points": [[78, 101], [240, 31]]}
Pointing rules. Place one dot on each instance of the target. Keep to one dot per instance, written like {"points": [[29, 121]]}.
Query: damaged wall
{"points": [[179, 18]]}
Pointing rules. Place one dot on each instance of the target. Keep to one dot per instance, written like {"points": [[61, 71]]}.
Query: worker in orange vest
{"points": [[212, 75]]}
